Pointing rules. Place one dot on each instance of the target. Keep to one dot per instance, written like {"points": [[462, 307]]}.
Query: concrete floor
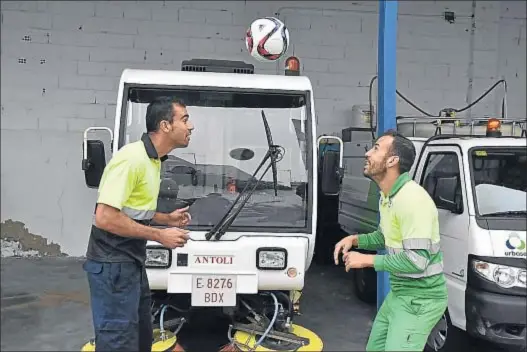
{"points": [[45, 307]]}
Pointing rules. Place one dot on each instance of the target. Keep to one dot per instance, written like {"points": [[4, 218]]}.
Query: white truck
{"points": [[476, 172], [252, 235]]}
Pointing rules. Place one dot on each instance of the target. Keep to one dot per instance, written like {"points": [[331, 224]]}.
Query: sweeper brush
{"points": [[250, 337]]}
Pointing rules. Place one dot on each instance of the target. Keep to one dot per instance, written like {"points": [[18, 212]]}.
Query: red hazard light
{"points": [[292, 66]]}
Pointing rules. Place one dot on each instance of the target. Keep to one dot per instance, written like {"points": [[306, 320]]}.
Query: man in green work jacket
{"points": [[409, 231]]}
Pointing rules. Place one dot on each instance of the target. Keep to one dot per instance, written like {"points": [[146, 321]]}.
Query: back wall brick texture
{"points": [[61, 62]]}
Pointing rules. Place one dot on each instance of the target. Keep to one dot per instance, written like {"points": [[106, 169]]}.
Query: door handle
{"points": [[460, 274]]}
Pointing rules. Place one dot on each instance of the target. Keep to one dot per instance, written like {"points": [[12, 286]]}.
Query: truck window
{"points": [[499, 180], [442, 179], [226, 147]]}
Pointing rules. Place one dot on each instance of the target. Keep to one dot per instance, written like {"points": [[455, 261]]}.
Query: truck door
{"points": [[441, 174]]}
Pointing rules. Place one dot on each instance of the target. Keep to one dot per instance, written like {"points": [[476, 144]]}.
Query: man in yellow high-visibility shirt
{"points": [[127, 202], [409, 231]]}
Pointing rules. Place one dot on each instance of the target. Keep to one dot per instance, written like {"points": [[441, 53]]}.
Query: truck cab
{"points": [[475, 171], [248, 178]]}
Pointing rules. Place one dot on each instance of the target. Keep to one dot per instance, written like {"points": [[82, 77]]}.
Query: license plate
{"points": [[214, 290]]}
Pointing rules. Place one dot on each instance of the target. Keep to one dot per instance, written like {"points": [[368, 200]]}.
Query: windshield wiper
{"points": [[273, 156], [501, 213], [275, 153]]}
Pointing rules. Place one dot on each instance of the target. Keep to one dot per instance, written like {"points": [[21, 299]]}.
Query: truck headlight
{"points": [[271, 258], [522, 277], [158, 257], [502, 275]]}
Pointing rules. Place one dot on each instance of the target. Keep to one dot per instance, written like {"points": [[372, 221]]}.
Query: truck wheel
{"points": [[438, 338], [446, 337], [365, 286]]}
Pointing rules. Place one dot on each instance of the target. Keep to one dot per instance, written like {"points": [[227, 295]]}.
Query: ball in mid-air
{"points": [[267, 39]]}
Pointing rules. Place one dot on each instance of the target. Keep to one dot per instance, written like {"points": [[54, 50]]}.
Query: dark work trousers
{"points": [[120, 302]]}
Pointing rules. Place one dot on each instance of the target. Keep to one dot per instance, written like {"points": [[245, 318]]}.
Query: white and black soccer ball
{"points": [[267, 39]]}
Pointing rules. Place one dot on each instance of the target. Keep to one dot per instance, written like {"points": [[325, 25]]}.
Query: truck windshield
{"points": [[500, 181], [227, 145]]}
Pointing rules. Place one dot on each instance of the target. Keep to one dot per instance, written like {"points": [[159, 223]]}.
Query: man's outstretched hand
{"points": [[172, 237], [179, 217], [356, 260], [344, 246]]}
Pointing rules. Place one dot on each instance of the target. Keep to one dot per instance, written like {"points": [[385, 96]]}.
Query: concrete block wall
{"points": [[61, 63]]}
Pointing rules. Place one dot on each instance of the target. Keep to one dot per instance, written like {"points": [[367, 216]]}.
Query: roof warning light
{"points": [[493, 128]]}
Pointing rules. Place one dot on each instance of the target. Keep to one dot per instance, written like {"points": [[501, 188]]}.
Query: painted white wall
{"points": [[61, 62]]}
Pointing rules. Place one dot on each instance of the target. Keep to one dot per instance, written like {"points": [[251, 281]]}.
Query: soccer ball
{"points": [[267, 39]]}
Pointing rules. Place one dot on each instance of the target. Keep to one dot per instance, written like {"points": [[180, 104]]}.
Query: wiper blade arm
{"points": [[275, 153], [222, 226], [271, 145], [500, 213]]}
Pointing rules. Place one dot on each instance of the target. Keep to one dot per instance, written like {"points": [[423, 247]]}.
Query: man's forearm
{"points": [[371, 241], [117, 223], [161, 219], [165, 219], [404, 262]]}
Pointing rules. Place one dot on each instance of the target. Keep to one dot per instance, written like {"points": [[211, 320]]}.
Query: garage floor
{"points": [[45, 307]]}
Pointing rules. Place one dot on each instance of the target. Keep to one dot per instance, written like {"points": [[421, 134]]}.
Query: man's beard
{"points": [[375, 172]]}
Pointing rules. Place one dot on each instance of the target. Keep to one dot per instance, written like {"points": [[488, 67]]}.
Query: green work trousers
{"points": [[404, 323]]}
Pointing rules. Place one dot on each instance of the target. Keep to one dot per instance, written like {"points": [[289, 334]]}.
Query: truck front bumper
{"points": [[499, 319], [235, 263]]}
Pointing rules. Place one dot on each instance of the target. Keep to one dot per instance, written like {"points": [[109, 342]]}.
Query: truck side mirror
{"points": [[331, 175], [182, 170], [94, 163], [193, 176], [449, 205], [446, 195], [94, 158], [331, 171]]}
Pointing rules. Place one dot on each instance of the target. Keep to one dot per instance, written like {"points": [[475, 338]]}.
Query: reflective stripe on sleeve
{"points": [[419, 261], [134, 214], [432, 269], [422, 243], [138, 214]]}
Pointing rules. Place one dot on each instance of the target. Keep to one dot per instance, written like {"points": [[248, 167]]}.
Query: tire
{"points": [[446, 337], [365, 285]]}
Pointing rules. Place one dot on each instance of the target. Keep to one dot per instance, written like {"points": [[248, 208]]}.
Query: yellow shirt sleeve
{"points": [[117, 183]]}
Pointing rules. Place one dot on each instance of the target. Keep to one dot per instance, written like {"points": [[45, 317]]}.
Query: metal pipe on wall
{"points": [[472, 43]]}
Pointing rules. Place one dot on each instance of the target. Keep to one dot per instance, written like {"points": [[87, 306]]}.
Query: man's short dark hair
{"points": [[403, 148], [160, 109]]}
